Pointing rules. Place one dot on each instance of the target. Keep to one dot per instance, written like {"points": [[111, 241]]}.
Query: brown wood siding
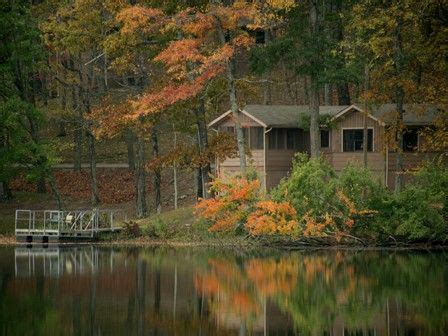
{"points": [[273, 178], [279, 158], [256, 159], [278, 165], [375, 160], [355, 119]]}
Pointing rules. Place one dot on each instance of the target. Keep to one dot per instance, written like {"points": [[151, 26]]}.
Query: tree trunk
{"points": [[314, 119], [41, 186], [365, 129], [343, 94], [342, 88], [86, 94], [142, 208], [230, 72], [314, 87], [55, 191], [175, 170], [130, 141], [202, 135], [157, 175], [327, 94], [76, 98], [399, 96], [93, 180], [5, 191]]}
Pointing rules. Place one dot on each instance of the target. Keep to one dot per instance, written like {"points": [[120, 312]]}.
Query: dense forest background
{"points": [[100, 86]]}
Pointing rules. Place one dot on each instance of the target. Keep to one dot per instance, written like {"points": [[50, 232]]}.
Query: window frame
{"points": [[358, 128]]}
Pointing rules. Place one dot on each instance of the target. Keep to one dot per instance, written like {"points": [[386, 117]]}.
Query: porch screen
{"points": [[256, 137], [352, 141], [277, 138]]}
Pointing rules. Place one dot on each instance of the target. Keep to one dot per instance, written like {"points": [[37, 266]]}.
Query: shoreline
{"points": [[10, 240]]}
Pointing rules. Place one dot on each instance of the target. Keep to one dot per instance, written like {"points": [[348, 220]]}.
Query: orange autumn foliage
{"points": [[272, 218], [144, 19], [315, 227], [233, 202]]}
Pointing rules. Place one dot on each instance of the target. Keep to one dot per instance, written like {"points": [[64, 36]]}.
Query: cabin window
{"points": [[410, 140], [256, 137], [277, 138], [324, 138], [353, 140], [292, 138]]}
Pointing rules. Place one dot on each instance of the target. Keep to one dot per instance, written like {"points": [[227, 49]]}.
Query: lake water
{"points": [[157, 291]]}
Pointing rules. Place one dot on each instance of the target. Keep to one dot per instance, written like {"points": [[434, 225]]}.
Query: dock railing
{"points": [[67, 222]]}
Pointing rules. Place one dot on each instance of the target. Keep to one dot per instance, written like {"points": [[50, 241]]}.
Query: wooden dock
{"points": [[44, 226]]}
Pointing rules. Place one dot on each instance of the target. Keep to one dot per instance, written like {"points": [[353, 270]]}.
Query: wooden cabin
{"points": [[273, 134]]}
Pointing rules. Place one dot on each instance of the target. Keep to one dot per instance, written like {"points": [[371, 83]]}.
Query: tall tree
{"points": [[195, 56], [309, 45], [21, 64], [394, 37]]}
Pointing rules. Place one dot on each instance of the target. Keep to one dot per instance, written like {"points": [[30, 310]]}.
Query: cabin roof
{"points": [[289, 115], [414, 114], [286, 115]]}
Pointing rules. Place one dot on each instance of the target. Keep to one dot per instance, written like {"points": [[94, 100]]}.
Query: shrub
{"points": [[157, 228], [366, 192], [132, 230], [325, 203], [234, 200], [311, 185], [421, 209], [273, 218]]}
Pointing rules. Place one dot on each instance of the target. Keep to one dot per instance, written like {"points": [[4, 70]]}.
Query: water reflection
{"points": [[114, 291]]}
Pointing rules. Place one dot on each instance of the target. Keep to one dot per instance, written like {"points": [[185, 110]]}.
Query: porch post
{"points": [[264, 159]]}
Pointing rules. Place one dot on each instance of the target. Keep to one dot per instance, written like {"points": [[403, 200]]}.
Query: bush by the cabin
{"points": [[328, 205], [234, 200], [421, 209], [314, 202]]}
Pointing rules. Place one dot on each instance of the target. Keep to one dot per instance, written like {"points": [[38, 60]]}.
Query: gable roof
{"points": [[279, 115], [289, 115]]}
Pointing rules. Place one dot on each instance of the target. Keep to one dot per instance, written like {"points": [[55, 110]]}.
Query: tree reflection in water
{"points": [[114, 291]]}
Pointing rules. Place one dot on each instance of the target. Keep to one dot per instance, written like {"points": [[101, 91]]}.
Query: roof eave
{"points": [[222, 116], [347, 109]]}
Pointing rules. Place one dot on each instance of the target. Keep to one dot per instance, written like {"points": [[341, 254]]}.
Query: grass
{"points": [[177, 228], [172, 228]]}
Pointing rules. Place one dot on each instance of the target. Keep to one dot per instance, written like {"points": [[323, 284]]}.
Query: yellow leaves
{"points": [[349, 203], [315, 227], [281, 4], [272, 218], [139, 19]]}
